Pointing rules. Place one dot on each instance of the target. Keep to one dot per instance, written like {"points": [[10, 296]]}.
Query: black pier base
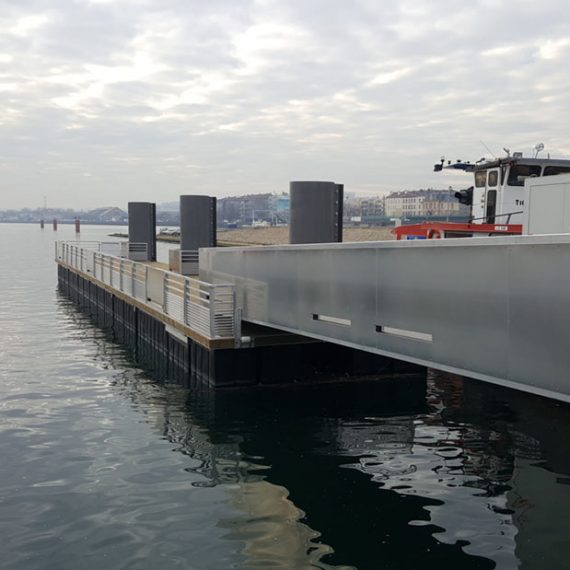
{"points": [[173, 356]]}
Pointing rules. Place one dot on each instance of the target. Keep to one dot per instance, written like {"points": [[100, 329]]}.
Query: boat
{"points": [[496, 199]]}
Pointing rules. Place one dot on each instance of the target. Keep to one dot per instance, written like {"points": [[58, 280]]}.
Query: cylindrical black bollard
{"points": [[197, 229], [197, 222], [142, 229], [316, 212]]}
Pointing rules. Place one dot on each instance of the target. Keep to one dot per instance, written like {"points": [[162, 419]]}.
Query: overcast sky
{"points": [[106, 101]]}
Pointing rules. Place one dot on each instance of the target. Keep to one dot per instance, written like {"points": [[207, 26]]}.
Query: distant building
{"points": [[279, 205], [253, 209], [366, 210], [424, 204], [372, 206], [108, 215]]}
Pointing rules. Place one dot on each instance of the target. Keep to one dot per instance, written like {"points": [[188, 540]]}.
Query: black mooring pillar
{"points": [[142, 230], [197, 229], [316, 212]]}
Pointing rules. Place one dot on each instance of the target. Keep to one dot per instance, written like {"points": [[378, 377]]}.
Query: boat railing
{"points": [[206, 308], [507, 215]]}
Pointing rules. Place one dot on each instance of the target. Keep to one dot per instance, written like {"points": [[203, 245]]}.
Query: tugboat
{"points": [[497, 198]]}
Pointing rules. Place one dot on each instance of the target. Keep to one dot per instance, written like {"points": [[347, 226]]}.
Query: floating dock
{"points": [[193, 329], [491, 308]]}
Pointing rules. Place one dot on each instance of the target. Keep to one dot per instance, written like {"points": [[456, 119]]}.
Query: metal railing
{"points": [[208, 309]]}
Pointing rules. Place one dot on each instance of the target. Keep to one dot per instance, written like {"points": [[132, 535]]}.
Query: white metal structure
{"points": [[547, 203], [498, 194], [205, 308]]}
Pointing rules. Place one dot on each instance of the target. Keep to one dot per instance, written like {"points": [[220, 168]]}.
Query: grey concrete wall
{"points": [[197, 222], [316, 212], [493, 308], [142, 226]]}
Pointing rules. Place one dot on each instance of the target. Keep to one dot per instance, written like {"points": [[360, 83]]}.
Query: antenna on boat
{"points": [[492, 153], [537, 148]]}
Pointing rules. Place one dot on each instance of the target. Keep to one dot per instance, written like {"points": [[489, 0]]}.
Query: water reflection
{"points": [[392, 474]]}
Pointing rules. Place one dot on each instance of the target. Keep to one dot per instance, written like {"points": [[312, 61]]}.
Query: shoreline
{"points": [[280, 236]]}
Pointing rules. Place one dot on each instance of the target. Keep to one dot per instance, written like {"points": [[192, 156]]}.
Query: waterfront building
{"points": [[424, 203]]}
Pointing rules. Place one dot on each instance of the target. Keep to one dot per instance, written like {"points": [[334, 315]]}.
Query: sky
{"points": [[107, 101]]}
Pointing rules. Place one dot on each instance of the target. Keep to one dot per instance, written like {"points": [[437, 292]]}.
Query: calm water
{"points": [[104, 466]]}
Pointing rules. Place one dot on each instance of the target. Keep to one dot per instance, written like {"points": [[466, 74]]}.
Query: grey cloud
{"points": [[156, 98]]}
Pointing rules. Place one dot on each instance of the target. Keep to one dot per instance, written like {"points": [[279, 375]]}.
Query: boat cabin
{"points": [[498, 193]]}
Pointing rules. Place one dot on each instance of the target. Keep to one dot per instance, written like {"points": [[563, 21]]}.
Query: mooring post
{"points": [[197, 229], [316, 212], [142, 228]]}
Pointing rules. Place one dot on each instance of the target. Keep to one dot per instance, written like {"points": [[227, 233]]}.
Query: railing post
{"points": [[110, 271], [121, 274], [164, 292], [212, 306], [185, 301], [133, 269], [237, 323], [146, 283]]}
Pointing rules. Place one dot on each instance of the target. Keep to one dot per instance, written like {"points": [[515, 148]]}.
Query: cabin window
{"points": [[480, 178], [493, 178], [552, 170], [519, 172]]}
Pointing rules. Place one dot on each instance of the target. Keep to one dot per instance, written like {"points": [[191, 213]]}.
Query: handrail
{"points": [[206, 308], [508, 214]]}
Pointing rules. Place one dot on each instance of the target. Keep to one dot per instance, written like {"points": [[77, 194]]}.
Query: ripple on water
{"points": [[105, 465]]}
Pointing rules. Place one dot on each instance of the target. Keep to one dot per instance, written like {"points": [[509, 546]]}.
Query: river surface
{"points": [[105, 466]]}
